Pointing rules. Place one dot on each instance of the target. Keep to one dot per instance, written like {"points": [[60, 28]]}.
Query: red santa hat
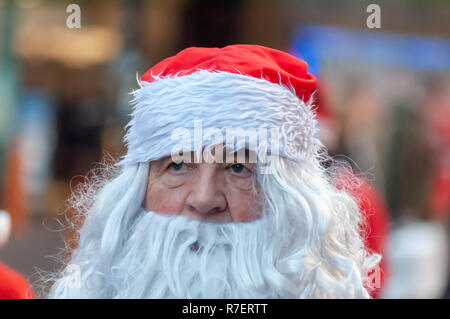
{"points": [[242, 87]]}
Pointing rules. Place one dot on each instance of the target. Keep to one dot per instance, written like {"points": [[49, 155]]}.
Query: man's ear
{"points": [[5, 227]]}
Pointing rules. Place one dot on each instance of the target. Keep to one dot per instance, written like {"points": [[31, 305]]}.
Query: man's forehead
{"points": [[216, 154]]}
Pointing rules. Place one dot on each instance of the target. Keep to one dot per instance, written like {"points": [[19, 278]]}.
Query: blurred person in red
{"points": [[437, 117], [418, 243], [371, 202], [13, 285]]}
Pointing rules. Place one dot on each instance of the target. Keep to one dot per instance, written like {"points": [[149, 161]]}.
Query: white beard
{"points": [[178, 257], [306, 245]]}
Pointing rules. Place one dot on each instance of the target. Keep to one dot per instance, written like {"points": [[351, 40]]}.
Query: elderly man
{"points": [[222, 193]]}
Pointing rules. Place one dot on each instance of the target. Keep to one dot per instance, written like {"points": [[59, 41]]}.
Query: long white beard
{"points": [[178, 257], [306, 245]]}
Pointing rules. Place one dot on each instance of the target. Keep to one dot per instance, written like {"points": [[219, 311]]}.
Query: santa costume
{"points": [[307, 242]]}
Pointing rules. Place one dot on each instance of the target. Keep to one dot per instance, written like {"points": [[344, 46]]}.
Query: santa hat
{"points": [[242, 87]]}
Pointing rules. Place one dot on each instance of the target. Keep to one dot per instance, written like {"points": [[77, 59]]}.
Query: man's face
{"points": [[210, 190]]}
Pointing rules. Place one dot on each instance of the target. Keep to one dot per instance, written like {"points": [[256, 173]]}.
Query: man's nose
{"points": [[205, 199]]}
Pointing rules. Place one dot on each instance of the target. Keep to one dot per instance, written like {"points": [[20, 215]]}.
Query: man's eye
{"points": [[176, 166], [238, 168]]}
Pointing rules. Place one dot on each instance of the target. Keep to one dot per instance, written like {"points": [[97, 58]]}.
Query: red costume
{"points": [[13, 285]]}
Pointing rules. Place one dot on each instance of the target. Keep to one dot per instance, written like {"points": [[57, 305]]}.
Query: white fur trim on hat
{"points": [[216, 100]]}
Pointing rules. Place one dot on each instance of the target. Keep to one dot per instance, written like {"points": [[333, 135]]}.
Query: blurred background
{"points": [[383, 105]]}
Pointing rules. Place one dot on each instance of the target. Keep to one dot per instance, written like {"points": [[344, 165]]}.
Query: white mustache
{"points": [[191, 258]]}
